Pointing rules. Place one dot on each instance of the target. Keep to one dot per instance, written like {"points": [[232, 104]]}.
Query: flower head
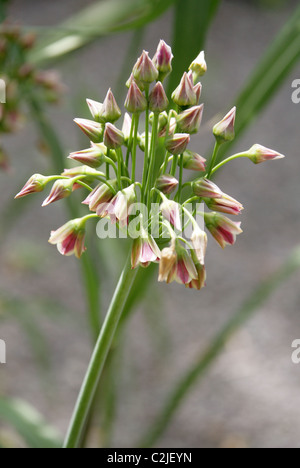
{"points": [[70, 238], [259, 154], [35, 184], [224, 130], [222, 229]]}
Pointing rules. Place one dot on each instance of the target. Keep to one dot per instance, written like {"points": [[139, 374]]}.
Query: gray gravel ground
{"points": [[250, 398]]}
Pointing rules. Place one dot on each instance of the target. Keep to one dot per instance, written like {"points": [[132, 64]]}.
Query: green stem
{"points": [[99, 356], [129, 142], [232, 158], [178, 196], [213, 160], [135, 119], [145, 170], [152, 157], [174, 165]]}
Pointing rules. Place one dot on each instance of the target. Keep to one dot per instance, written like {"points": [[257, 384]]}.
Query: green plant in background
{"points": [[143, 208]]}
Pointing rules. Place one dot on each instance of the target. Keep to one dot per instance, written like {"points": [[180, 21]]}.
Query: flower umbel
{"points": [[154, 197]]}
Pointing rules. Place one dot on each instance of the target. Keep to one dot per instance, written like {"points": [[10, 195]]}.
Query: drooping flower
{"points": [[200, 282], [166, 184], [35, 184], [222, 229], [224, 130], [100, 197], [177, 143], [93, 130], [199, 241], [62, 188], [167, 262], [113, 137], [225, 204], [205, 188], [171, 211], [189, 121], [70, 238], [93, 156], [121, 206], [183, 270], [144, 251], [193, 161]]}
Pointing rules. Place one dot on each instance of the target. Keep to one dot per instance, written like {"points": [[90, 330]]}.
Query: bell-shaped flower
{"points": [[222, 229], [70, 238]]}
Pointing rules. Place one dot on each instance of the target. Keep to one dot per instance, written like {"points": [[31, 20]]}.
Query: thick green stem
{"points": [[99, 356]]}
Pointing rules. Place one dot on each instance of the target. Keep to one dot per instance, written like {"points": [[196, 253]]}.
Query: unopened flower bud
{"points": [[131, 79], [166, 183], [95, 108], [110, 111], [224, 130], [222, 229], [225, 204], [198, 91], [81, 170], [70, 238], [189, 121], [163, 60], [198, 66], [93, 130], [61, 189], [113, 137], [259, 154], [100, 197], [193, 161], [177, 143], [171, 211], [205, 188], [35, 184], [126, 128], [93, 156], [144, 69], [158, 101], [135, 101], [184, 95]]}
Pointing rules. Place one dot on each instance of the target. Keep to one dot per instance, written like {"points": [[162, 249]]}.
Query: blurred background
{"points": [[238, 392]]}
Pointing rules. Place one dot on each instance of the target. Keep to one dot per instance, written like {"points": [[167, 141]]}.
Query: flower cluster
{"points": [[115, 192], [20, 76]]}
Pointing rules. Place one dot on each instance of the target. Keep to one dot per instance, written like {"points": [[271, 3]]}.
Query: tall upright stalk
{"points": [[103, 345]]}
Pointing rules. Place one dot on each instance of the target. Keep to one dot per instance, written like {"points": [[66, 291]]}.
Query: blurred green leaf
{"points": [[192, 21], [201, 365], [29, 424], [100, 19], [274, 67]]}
